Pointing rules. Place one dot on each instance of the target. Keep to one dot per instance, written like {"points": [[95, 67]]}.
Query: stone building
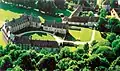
{"points": [[82, 21], [56, 27], [18, 24]]}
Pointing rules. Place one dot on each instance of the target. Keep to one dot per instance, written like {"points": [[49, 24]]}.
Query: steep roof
{"points": [[23, 19], [56, 25], [39, 43], [83, 19], [79, 19], [93, 19], [17, 21]]}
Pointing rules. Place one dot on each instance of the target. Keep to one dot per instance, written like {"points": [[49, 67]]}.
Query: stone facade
{"points": [[18, 24], [56, 27]]}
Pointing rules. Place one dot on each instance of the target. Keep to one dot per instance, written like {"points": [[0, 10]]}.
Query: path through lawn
{"points": [[84, 35]]}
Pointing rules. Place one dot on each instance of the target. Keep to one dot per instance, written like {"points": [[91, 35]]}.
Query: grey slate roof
{"points": [[79, 19], [56, 25], [22, 19], [18, 21], [39, 43], [83, 19]]}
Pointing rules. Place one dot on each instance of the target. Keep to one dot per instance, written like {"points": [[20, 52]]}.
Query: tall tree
{"points": [[47, 6]]}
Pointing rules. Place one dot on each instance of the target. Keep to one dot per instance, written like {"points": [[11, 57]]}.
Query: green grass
{"points": [[98, 36], [10, 11], [42, 37], [83, 35], [2, 40], [7, 15]]}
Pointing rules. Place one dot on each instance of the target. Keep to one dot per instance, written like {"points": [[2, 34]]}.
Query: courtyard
{"points": [[39, 36], [8, 12]]}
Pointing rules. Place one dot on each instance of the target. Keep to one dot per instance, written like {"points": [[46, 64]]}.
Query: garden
{"points": [[39, 36]]}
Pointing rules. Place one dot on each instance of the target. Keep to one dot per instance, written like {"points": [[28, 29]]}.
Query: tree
{"points": [[117, 49], [60, 4], [116, 46], [103, 12], [93, 61], [102, 43], [47, 6], [106, 51], [90, 14], [111, 37], [47, 62], [64, 52], [5, 62], [112, 23], [100, 68], [12, 47], [74, 67], [65, 63], [94, 42], [117, 28], [86, 47], [25, 59], [73, 53], [15, 54], [1, 51], [115, 42], [101, 23], [17, 68], [114, 3], [115, 65]]}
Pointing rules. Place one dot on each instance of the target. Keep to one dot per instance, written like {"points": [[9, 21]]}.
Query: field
{"points": [[84, 35], [98, 36], [2, 40]]}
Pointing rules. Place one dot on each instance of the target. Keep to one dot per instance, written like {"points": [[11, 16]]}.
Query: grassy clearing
{"points": [[42, 37], [74, 49], [10, 11], [98, 36], [83, 35], [2, 40], [7, 15]]}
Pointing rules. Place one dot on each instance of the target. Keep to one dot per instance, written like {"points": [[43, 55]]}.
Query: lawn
{"points": [[83, 35], [10, 11], [98, 36], [8, 15], [40, 36], [2, 40]]}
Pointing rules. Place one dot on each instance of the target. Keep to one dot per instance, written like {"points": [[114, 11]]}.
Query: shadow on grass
{"points": [[70, 37], [21, 10], [38, 33]]}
